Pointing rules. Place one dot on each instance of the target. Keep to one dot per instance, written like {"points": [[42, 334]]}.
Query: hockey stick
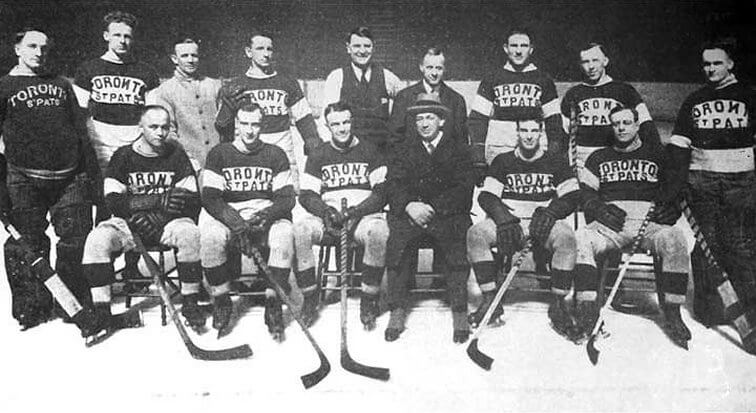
{"points": [[590, 346], [726, 291], [310, 379], [378, 373], [473, 352], [82, 317], [238, 352]]}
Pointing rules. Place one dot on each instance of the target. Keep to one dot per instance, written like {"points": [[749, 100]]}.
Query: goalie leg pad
{"points": [[68, 265], [32, 303]]}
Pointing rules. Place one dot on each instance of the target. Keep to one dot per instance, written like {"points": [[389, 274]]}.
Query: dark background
{"points": [[648, 41]]}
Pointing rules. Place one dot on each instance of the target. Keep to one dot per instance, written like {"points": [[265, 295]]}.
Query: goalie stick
{"points": [[310, 379], [590, 346], [83, 317], [378, 373], [733, 309], [238, 352], [477, 356]]}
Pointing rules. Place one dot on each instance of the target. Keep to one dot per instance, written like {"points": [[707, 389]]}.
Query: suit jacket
{"points": [[444, 179], [401, 128]]}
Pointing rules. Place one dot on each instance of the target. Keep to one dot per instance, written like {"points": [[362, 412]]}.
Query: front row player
{"points": [[247, 195], [527, 185], [429, 186], [619, 184], [150, 187], [348, 168]]}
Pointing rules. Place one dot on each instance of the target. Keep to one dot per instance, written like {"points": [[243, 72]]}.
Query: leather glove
{"points": [[242, 238], [666, 213], [509, 236], [149, 225], [541, 224], [176, 201], [608, 214]]}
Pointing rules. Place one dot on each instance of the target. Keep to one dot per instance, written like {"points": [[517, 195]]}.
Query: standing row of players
{"points": [[50, 163]]}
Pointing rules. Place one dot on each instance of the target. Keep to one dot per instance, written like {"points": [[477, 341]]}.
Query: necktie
{"points": [[363, 78], [431, 147]]}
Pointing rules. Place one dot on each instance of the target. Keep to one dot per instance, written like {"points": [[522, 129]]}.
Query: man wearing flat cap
{"points": [[429, 184]]}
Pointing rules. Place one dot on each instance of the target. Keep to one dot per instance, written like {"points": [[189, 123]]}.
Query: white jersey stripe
{"points": [[493, 186], [113, 186], [309, 182], [211, 179], [300, 109], [483, 106], [377, 176]]}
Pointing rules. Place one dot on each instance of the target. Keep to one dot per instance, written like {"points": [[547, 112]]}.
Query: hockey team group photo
{"points": [[161, 189]]}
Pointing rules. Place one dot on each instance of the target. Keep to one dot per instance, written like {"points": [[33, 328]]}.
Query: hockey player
{"points": [[429, 187], [432, 68], [712, 147], [247, 198], [519, 91], [279, 96], [345, 168], [192, 100], [151, 188], [619, 185], [50, 168], [527, 193], [594, 98], [366, 86], [113, 88]]}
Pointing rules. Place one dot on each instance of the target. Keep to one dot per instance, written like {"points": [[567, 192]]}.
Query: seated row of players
{"points": [[247, 195]]}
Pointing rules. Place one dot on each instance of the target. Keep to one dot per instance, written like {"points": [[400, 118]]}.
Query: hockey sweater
{"points": [[39, 123], [247, 180], [352, 173], [114, 92], [593, 104], [718, 126], [524, 185]]}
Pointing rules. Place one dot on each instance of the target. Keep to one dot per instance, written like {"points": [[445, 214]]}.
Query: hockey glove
{"points": [[149, 225], [236, 98], [243, 238], [608, 214], [541, 224], [333, 221], [509, 236], [666, 213], [179, 201], [259, 223]]}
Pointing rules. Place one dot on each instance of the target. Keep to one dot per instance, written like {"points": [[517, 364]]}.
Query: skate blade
{"points": [[131, 319]]}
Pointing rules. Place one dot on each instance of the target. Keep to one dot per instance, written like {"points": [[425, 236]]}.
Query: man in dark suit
{"points": [[432, 67], [430, 184]]}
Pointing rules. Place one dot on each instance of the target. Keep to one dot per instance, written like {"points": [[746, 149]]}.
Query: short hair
{"points": [[518, 30], [184, 40], [255, 33], [20, 34], [360, 31], [537, 119], [250, 107], [620, 108], [591, 45], [120, 17], [339, 106], [149, 108], [728, 44], [432, 51]]}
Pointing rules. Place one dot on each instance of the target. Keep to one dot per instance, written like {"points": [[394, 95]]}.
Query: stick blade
{"points": [[590, 348], [478, 357], [311, 379], [378, 373], [234, 353]]}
